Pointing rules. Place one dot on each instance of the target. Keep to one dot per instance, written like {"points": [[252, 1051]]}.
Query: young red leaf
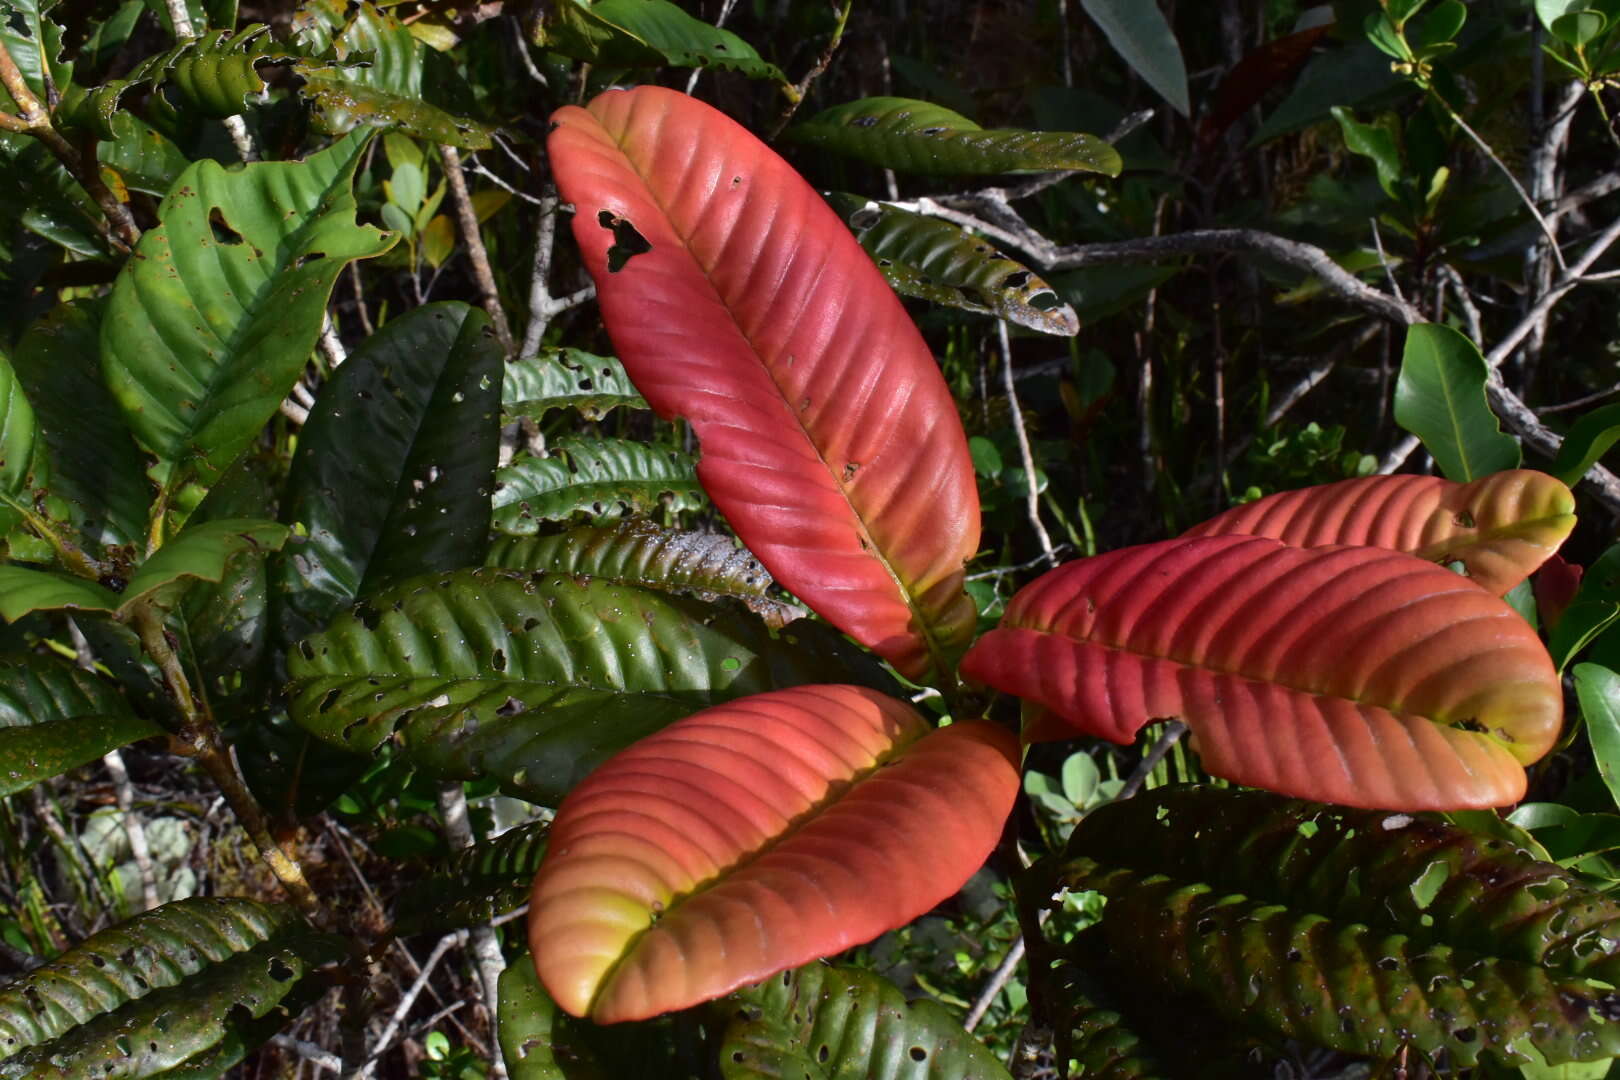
{"points": [[1500, 527], [757, 836], [1344, 674], [738, 300]]}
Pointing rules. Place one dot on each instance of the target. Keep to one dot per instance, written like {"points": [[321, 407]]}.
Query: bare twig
{"points": [[1173, 731], [720, 20], [1032, 499], [134, 827], [408, 999], [1383, 260], [543, 307], [486, 943], [324, 1060], [795, 93], [998, 980], [1524, 196], [467, 218], [1575, 275], [1590, 191], [1580, 402]]}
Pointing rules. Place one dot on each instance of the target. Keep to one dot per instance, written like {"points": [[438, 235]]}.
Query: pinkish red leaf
{"points": [[757, 836], [738, 300], [1350, 675]]}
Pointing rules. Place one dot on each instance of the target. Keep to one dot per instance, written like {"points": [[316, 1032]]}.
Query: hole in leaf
{"points": [[1465, 1035], [499, 660], [1463, 520], [279, 969], [627, 241], [918, 1054], [223, 233], [865, 217], [1045, 301], [863, 122], [1017, 280], [510, 707], [330, 699]]}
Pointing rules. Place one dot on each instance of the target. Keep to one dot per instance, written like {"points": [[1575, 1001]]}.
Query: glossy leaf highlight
{"points": [[1500, 527], [737, 300], [1345, 674], [677, 871], [602, 478]]}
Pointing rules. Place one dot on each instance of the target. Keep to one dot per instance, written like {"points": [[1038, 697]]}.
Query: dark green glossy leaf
{"points": [[918, 136], [393, 470], [210, 324], [648, 33], [21, 467], [142, 156], [1595, 608], [191, 982], [23, 590], [567, 379], [344, 105], [1144, 40], [49, 202], [604, 478], [34, 39], [1376, 142], [479, 883], [827, 1023], [203, 552], [638, 552], [1440, 398], [55, 716], [1100, 1037], [1344, 927], [98, 482], [1587, 441], [1598, 689], [535, 679], [933, 260], [538, 1040], [1346, 76]]}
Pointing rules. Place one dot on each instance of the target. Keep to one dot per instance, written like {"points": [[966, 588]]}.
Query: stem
{"points": [[467, 218], [1031, 496], [795, 93], [199, 735]]}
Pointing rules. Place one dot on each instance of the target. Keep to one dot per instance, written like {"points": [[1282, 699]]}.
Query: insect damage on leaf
{"points": [[627, 242]]}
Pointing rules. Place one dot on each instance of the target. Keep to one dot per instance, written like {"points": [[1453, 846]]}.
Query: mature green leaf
{"points": [[55, 716], [50, 203], [534, 678], [34, 40], [1344, 76], [638, 552], [1586, 442], [211, 322], [393, 469], [479, 883], [933, 260], [828, 1023], [1144, 40], [567, 379], [22, 469], [538, 1040], [202, 552], [193, 981], [1376, 142], [918, 136], [344, 105], [1594, 609], [604, 478], [1599, 691], [1099, 1035], [23, 590], [648, 33], [1550, 11], [1356, 930], [1440, 398], [98, 483], [143, 157]]}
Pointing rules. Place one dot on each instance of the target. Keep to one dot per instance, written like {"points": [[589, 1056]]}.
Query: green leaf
{"points": [[194, 982], [1590, 438], [1440, 398], [1443, 24], [55, 716], [1578, 28], [933, 260], [828, 1023], [478, 884], [1376, 142], [1598, 689], [1144, 40], [567, 379], [393, 468], [142, 156], [1550, 11], [638, 552], [21, 467], [604, 478], [1595, 608], [203, 552], [1300, 918], [211, 322], [23, 590], [534, 679], [98, 481], [538, 1040], [648, 33], [918, 136], [35, 44], [344, 105]]}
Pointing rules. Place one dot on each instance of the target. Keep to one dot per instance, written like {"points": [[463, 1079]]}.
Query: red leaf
{"points": [[738, 300], [1350, 675], [757, 836], [1500, 527], [1273, 63], [1556, 585]]}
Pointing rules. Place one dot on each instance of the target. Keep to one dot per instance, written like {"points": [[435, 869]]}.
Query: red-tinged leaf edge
{"points": [[1556, 584], [757, 836], [737, 300], [1500, 527], [1342, 674]]}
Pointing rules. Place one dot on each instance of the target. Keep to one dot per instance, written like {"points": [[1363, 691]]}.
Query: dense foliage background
{"points": [[1298, 185]]}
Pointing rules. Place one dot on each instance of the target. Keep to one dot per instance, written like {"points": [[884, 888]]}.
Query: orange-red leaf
{"points": [[1500, 527], [1345, 674], [738, 300], [756, 836]]}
